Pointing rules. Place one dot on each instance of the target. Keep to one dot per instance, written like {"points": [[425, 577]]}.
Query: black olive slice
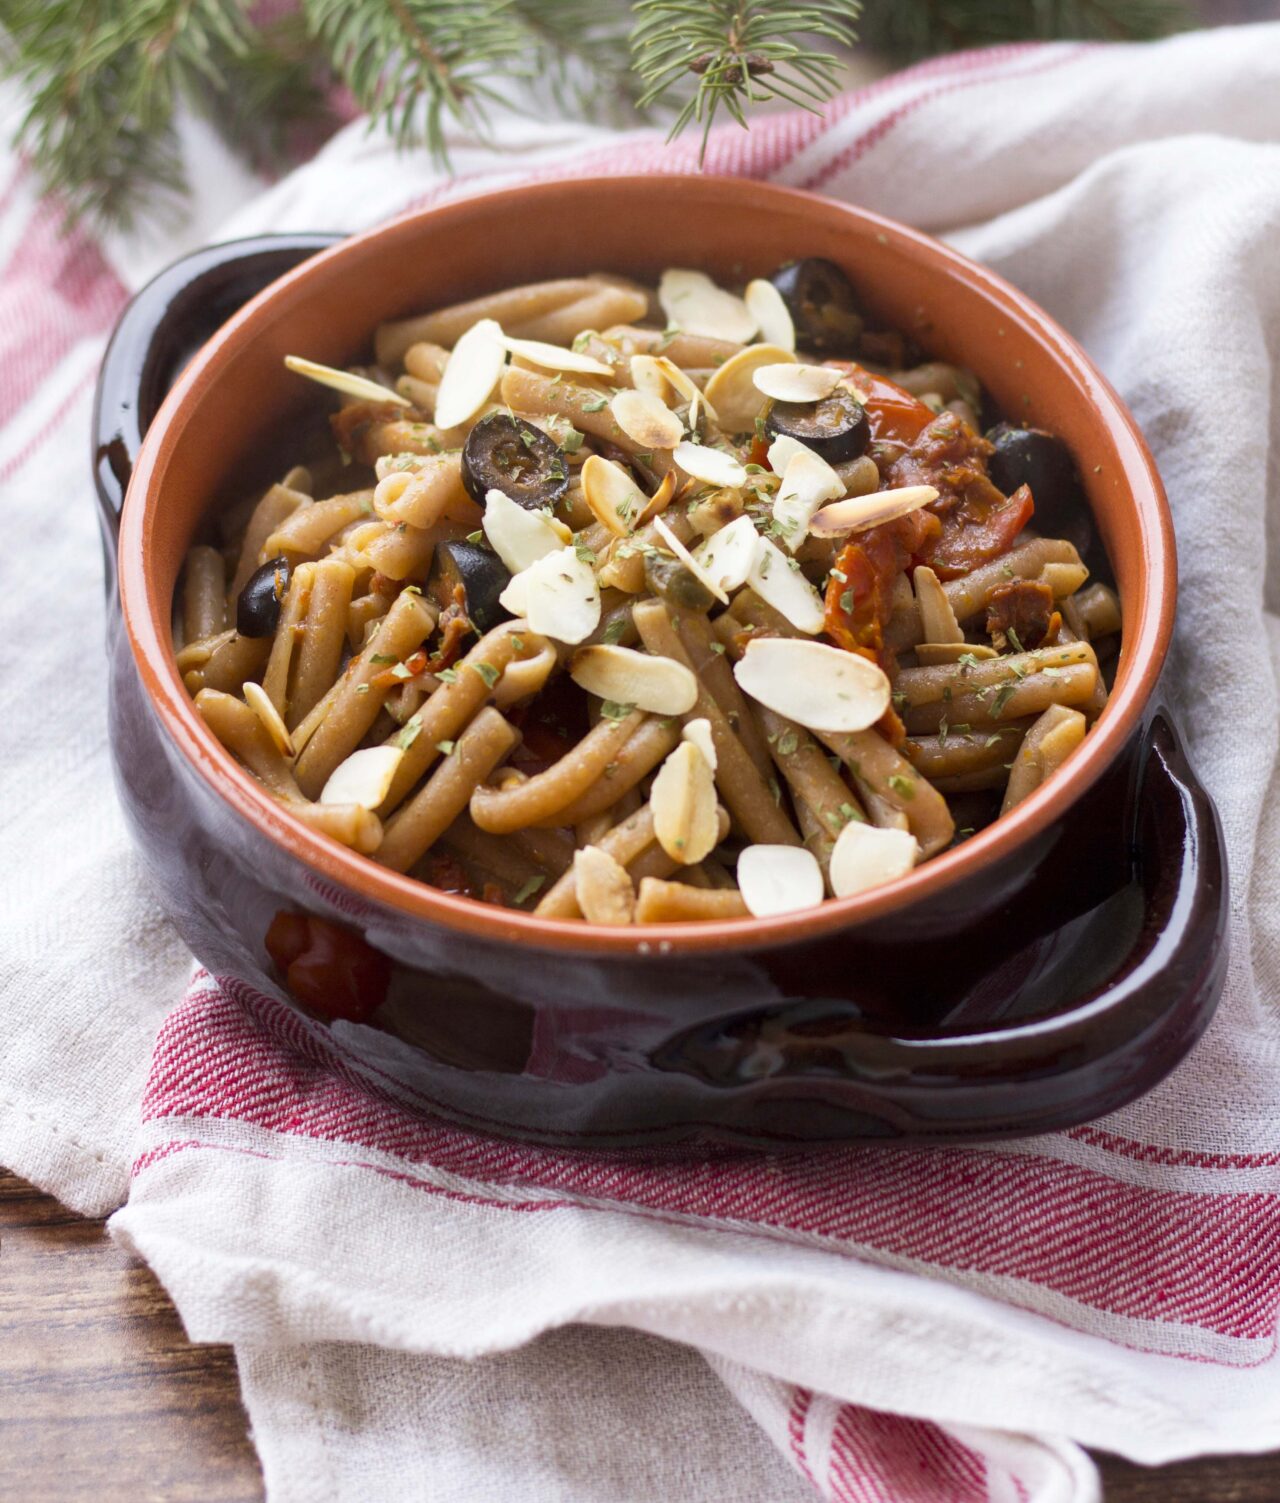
{"points": [[821, 302], [1030, 456], [837, 428], [507, 454], [482, 575], [258, 604]]}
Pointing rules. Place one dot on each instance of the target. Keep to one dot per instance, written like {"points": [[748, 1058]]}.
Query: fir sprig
{"points": [[740, 52], [103, 79]]}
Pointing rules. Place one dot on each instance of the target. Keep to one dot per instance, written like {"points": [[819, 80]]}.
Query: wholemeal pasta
{"points": [[628, 599]]}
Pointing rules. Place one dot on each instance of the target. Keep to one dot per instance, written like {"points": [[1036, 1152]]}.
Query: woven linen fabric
{"points": [[423, 1313]]}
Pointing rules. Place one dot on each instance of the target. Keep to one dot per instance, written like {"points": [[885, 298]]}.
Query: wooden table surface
{"points": [[102, 1397]]}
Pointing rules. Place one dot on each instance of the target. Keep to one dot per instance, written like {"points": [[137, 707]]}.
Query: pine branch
{"points": [[103, 78], [737, 53], [415, 64]]}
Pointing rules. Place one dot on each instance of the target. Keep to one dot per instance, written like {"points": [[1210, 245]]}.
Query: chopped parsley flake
{"points": [[611, 709], [445, 748], [528, 889], [487, 672], [903, 787], [412, 730]]}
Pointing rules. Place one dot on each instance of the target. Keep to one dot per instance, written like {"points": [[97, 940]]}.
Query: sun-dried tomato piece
{"points": [[1021, 614]]}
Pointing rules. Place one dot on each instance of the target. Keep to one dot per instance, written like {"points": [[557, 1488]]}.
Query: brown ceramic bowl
{"points": [[1055, 965]]}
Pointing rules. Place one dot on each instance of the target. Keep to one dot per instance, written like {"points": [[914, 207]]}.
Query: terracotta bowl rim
{"points": [[1148, 624]]}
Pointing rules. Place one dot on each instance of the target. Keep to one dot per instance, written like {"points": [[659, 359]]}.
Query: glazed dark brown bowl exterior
{"points": [[1056, 965]]}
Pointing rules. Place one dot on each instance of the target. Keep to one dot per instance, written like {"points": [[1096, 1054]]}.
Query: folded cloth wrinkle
{"points": [[887, 1326]]}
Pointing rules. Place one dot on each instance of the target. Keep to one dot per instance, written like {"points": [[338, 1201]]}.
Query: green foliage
{"points": [[102, 78], [740, 52]]}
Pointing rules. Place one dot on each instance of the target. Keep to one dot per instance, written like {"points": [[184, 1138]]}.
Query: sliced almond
{"points": [[363, 778], [628, 677], [711, 465], [683, 800], [699, 732], [820, 687], [345, 382], [259, 701], [603, 888], [937, 619], [936, 654], [776, 879], [732, 388], [868, 856], [807, 482], [518, 536], [646, 419], [783, 449], [728, 555], [663, 378], [470, 374], [558, 596], [693, 302], [765, 304], [792, 382], [858, 512], [778, 581], [554, 357], [612, 495], [687, 559], [660, 500]]}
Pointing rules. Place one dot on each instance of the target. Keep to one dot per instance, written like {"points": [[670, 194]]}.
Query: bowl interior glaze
{"points": [[235, 400]]}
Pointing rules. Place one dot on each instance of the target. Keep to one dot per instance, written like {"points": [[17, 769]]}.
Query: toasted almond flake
{"points": [[711, 465], [858, 512], [612, 495], [558, 597], [727, 555], [554, 357], [647, 375], [693, 302], [687, 389], [363, 778], [776, 879], [936, 654], [937, 619], [470, 374], [344, 381], [660, 500], [783, 449], [259, 701], [807, 482], [699, 732], [732, 389], [796, 383], [867, 856], [646, 419], [785, 588], [603, 888], [628, 677], [518, 536], [683, 800], [765, 304], [820, 687], [687, 559]]}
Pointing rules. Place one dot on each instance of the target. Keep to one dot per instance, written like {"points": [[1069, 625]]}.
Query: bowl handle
{"points": [[155, 336]]}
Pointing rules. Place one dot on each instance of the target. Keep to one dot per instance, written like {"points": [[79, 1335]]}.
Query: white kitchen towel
{"points": [[940, 1325]]}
